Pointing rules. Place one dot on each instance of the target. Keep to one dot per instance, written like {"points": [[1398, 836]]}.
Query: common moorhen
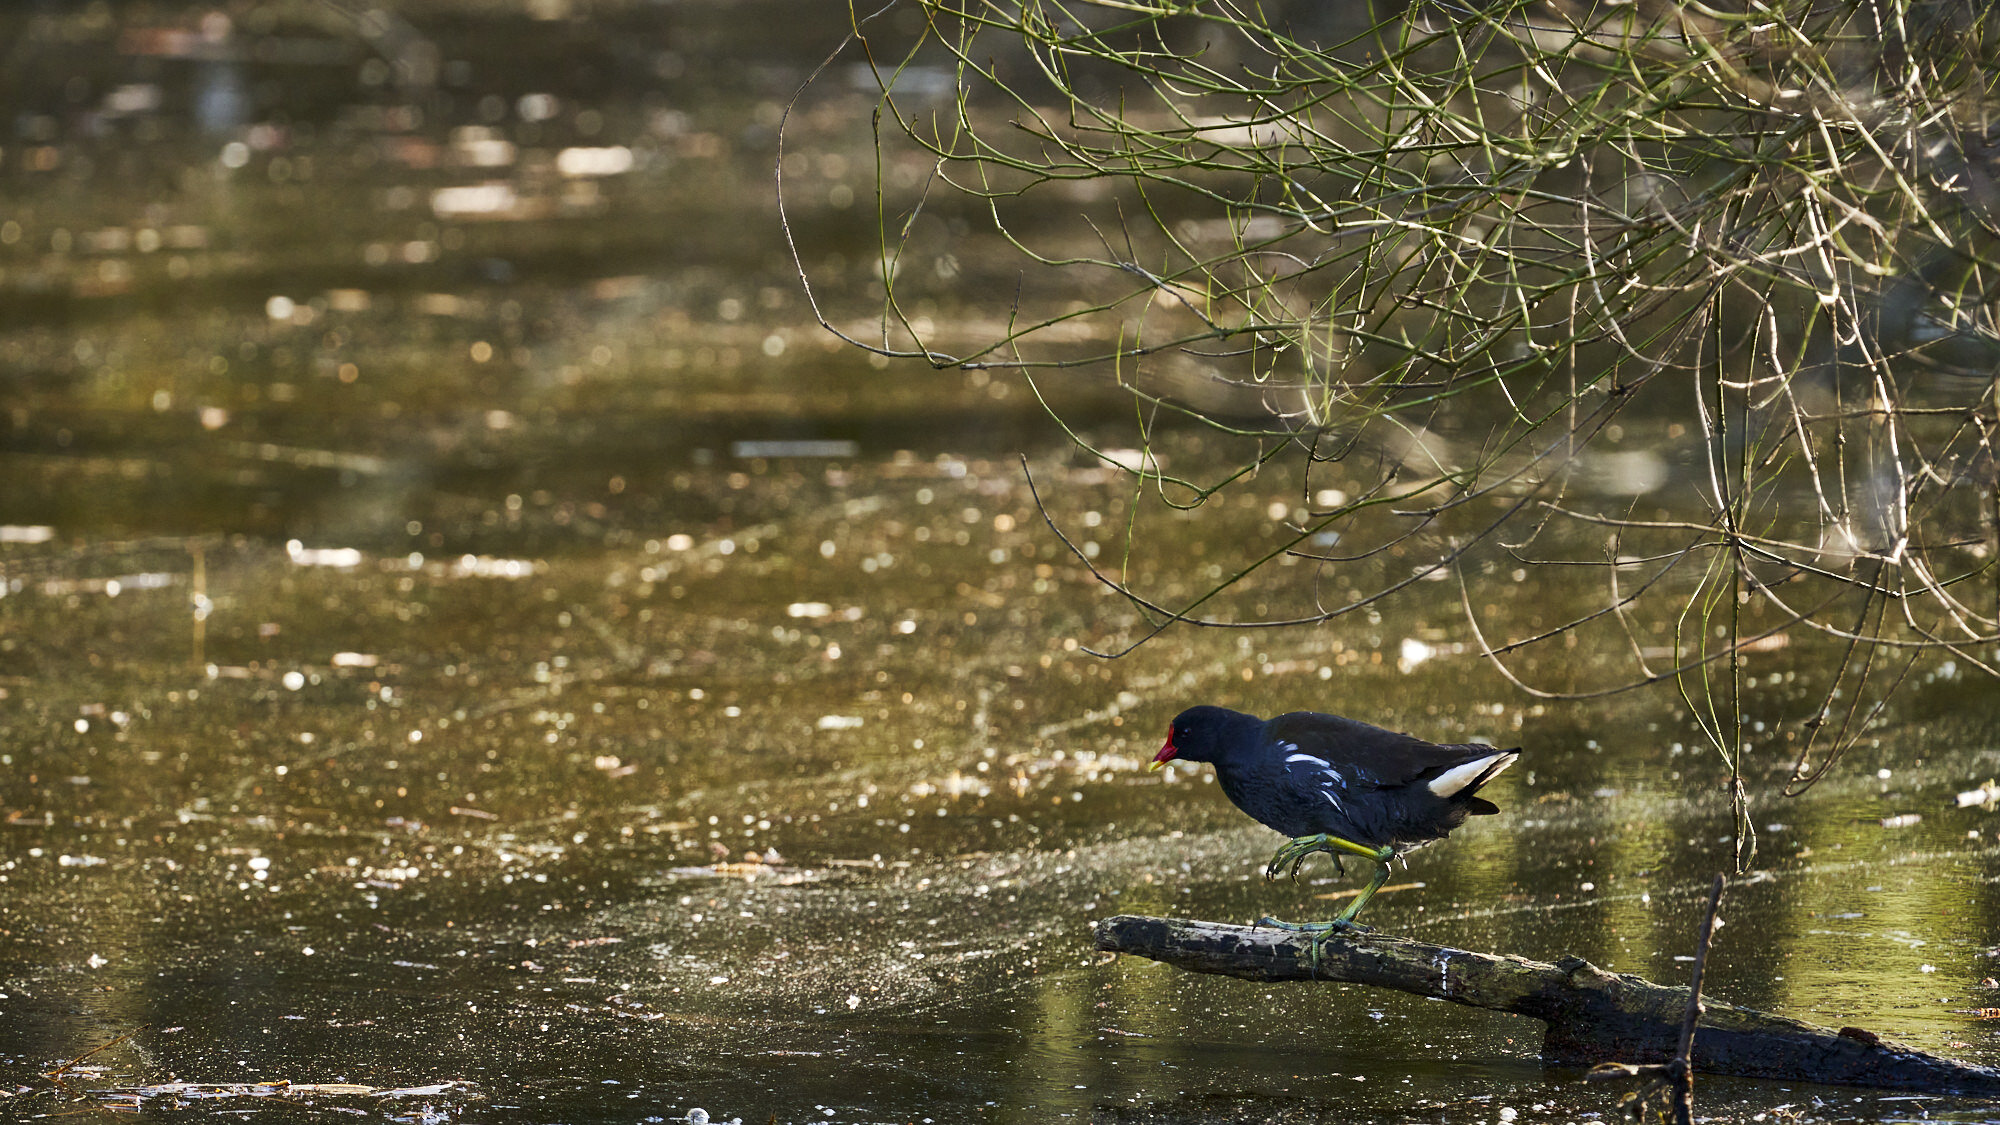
{"points": [[1335, 785]]}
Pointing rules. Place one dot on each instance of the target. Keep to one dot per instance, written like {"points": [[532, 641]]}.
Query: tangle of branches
{"points": [[1691, 302]]}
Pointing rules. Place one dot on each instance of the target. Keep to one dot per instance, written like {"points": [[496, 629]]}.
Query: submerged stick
{"points": [[1673, 1081], [1683, 1073], [57, 1073], [1592, 1015]]}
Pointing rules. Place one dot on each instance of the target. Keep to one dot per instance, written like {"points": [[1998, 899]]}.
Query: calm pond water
{"points": [[468, 634]]}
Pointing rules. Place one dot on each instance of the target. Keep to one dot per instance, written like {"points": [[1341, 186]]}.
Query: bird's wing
{"points": [[1368, 755], [1362, 754]]}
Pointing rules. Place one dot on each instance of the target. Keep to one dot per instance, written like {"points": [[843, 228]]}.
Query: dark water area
{"points": [[468, 634]]}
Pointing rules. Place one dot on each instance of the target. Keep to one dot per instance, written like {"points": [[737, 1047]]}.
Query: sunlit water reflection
{"points": [[409, 675]]}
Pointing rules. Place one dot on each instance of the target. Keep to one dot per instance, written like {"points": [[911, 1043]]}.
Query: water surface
{"points": [[468, 632]]}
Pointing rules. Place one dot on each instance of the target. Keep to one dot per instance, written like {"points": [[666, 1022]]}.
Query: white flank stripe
{"points": [[1320, 762], [1458, 777]]}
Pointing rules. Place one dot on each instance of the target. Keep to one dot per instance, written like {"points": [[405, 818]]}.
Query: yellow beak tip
{"points": [[1156, 764]]}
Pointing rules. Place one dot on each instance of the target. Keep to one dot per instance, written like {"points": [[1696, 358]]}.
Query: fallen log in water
{"points": [[1592, 1015]]}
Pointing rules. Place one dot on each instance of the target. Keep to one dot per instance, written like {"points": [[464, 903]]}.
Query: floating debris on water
{"points": [[779, 873], [749, 450], [481, 566], [1382, 890], [1986, 795], [133, 1098], [341, 558]]}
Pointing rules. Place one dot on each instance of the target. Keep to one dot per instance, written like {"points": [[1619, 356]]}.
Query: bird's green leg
{"points": [[1295, 854]]}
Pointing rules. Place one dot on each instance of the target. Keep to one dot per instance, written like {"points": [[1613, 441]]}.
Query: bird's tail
{"points": [[1464, 780]]}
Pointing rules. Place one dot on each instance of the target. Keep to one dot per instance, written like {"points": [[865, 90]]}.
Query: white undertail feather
{"points": [[1458, 777]]}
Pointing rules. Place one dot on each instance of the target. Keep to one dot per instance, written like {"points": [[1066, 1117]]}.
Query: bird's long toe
{"points": [[1335, 926], [1291, 857]]}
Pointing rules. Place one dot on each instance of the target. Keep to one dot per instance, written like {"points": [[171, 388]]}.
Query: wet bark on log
{"points": [[1592, 1015]]}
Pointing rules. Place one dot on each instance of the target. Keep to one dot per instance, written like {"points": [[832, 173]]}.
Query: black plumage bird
{"points": [[1337, 786]]}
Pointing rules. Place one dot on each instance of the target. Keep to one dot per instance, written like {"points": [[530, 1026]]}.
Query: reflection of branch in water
{"points": [[412, 57]]}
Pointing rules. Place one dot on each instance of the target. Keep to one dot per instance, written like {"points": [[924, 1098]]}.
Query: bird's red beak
{"points": [[1165, 755]]}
